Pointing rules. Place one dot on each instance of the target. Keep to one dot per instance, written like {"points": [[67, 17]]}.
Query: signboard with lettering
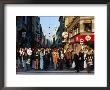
{"points": [[82, 38], [81, 41]]}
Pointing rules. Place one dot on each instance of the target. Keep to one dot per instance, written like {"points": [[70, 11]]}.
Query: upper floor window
{"points": [[76, 29], [88, 26]]}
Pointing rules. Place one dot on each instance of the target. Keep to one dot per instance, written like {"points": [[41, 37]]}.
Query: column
{"points": [[92, 25], [81, 26]]}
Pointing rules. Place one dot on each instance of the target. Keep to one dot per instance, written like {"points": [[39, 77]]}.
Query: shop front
{"points": [[81, 41]]}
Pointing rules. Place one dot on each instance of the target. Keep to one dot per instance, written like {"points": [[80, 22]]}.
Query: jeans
{"points": [[24, 66], [28, 67]]}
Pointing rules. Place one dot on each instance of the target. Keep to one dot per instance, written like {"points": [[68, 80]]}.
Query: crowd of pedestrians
{"points": [[45, 59]]}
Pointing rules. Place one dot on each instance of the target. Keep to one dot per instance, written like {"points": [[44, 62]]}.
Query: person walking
{"points": [[68, 57], [92, 56], [33, 58], [22, 54], [51, 59], [36, 60], [55, 56], [46, 61], [85, 53], [25, 61], [77, 62], [41, 60], [82, 60], [89, 62], [18, 62], [29, 60], [61, 59]]}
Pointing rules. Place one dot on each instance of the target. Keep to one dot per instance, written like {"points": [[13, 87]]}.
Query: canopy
{"points": [[82, 38]]}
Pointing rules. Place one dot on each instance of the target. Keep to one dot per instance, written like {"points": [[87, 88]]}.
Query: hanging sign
{"points": [[65, 34]]}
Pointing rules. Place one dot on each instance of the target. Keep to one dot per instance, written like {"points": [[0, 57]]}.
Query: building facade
{"points": [[80, 32], [59, 32], [29, 32], [39, 38], [21, 31]]}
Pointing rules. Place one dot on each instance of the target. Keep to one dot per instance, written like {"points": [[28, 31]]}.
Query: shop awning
{"points": [[82, 38]]}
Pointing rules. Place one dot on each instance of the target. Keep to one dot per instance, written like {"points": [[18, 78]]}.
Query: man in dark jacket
{"points": [[68, 57], [46, 61], [77, 63], [92, 57], [36, 60], [81, 58], [89, 62], [61, 60]]}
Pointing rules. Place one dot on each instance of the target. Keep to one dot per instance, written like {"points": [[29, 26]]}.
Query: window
{"points": [[88, 26], [23, 34], [38, 36], [76, 29]]}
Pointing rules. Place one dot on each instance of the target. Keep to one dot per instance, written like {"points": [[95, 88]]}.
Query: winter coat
{"points": [[68, 55], [55, 56], [89, 59], [81, 56], [61, 55]]}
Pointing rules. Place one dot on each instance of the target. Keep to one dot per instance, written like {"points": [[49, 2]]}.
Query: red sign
{"points": [[82, 38], [81, 41]]}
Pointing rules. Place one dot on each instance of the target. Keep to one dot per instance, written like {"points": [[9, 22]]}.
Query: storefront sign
{"points": [[82, 38], [81, 41]]}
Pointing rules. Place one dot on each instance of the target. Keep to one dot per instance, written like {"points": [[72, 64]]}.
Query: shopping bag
{"points": [[73, 64], [28, 61], [85, 64]]}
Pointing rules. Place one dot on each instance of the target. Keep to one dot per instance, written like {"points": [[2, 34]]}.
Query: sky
{"points": [[49, 25]]}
